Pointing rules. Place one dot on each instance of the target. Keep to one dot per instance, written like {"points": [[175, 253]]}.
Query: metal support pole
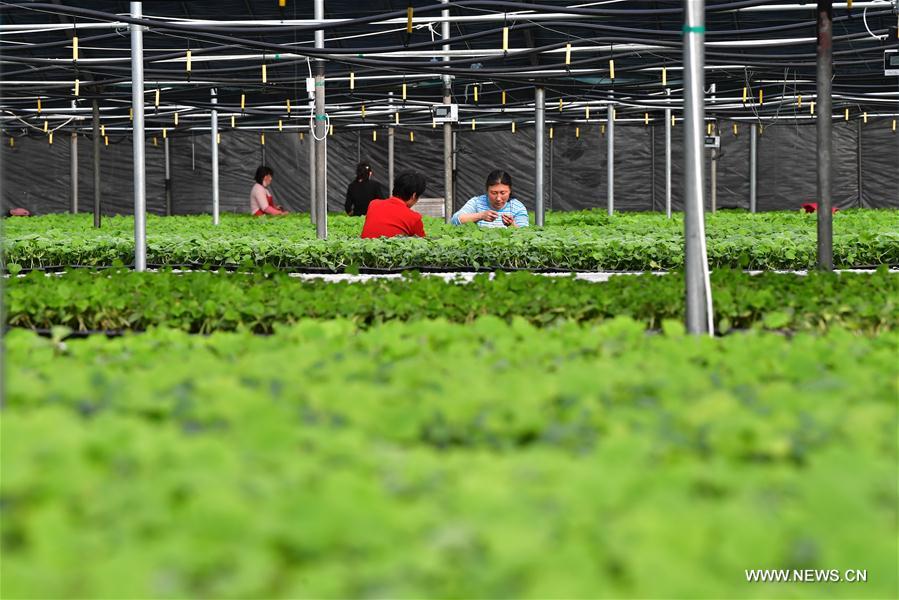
{"points": [[312, 191], [668, 156], [215, 158], [858, 155], [73, 169], [168, 179], [550, 196], [698, 294], [652, 165], [96, 126], [539, 130], [448, 204], [714, 177], [137, 108], [321, 134], [610, 158], [390, 133], [824, 110], [753, 167]]}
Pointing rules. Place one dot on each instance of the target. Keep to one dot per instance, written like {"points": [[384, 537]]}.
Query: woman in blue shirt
{"points": [[496, 208]]}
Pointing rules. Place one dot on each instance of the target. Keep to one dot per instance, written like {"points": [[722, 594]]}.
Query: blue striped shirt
{"points": [[480, 203]]}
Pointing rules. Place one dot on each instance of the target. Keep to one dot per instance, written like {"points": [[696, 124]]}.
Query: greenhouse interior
{"points": [[449, 299]]}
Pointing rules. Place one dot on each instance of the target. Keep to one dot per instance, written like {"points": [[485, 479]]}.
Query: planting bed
{"points": [[204, 302], [571, 241], [435, 459]]}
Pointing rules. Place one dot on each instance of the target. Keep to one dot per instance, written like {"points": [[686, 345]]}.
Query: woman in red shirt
{"points": [[394, 216]]}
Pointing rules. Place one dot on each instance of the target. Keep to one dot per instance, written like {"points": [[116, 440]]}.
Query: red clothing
{"points": [[390, 218], [271, 202]]}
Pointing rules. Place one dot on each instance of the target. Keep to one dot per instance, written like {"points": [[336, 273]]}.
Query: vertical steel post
{"points": [[858, 156], [96, 126], [448, 200], [610, 158], [652, 165], [390, 144], [390, 150], [215, 157], [714, 183], [753, 167], [137, 107], [696, 271], [312, 191], [73, 167], [824, 110], [539, 131], [321, 133], [668, 154], [168, 179]]}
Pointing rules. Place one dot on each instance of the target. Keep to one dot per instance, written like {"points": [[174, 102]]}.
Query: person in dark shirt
{"points": [[362, 190], [394, 216]]}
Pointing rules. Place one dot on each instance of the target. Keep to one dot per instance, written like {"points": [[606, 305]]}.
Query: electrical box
{"points": [[891, 62], [713, 141], [446, 113]]}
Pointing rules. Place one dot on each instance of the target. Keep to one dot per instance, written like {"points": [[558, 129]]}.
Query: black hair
{"points": [[409, 183], [363, 171], [261, 172], [498, 177]]}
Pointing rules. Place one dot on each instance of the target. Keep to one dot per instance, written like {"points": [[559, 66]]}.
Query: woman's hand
{"points": [[509, 220], [488, 215]]}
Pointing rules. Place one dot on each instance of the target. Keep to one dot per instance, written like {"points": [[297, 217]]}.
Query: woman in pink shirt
{"points": [[261, 201]]}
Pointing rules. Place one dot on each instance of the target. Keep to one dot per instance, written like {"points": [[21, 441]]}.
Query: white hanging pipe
{"points": [[610, 158], [214, 131], [668, 158], [698, 294], [140, 175], [539, 130]]}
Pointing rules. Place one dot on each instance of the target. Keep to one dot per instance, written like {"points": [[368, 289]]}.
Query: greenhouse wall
{"points": [[575, 175]]}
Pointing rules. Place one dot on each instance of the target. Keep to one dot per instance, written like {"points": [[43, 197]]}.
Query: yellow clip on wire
{"points": [[567, 54], [75, 48], [409, 12], [505, 39], [664, 75], [611, 68]]}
